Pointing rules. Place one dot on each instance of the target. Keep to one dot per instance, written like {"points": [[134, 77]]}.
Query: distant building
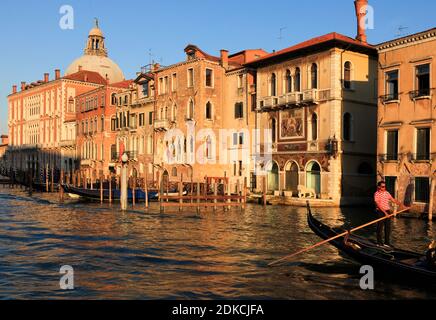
{"points": [[42, 116], [3, 156], [95, 136], [406, 118]]}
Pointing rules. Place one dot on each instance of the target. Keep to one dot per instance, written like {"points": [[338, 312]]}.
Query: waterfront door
{"points": [[292, 179], [273, 178], [313, 177]]}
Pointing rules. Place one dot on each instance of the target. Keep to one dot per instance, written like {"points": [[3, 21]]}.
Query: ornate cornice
{"points": [[409, 40]]}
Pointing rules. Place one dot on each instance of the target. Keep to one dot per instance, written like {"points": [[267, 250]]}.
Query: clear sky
{"points": [[33, 43]]}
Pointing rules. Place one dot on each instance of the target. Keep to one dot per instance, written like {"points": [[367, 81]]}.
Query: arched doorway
{"points": [[165, 179], [273, 177], [292, 179], [313, 177]]}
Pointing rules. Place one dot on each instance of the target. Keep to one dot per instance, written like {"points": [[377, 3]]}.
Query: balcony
{"points": [[86, 163], [67, 143], [161, 125], [309, 96], [424, 157], [391, 97], [292, 99], [388, 157], [420, 94], [132, 155]]}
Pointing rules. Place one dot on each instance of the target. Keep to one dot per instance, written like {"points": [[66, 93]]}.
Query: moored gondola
{"points": [[95, 194], [406, 264]]}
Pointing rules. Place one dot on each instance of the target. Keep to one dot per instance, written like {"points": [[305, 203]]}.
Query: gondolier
{"points": [[383, 200]]}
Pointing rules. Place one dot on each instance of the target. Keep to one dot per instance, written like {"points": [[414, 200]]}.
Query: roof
{"points": [[333, 39], [86, 76], [406, 39], [122, 84]]}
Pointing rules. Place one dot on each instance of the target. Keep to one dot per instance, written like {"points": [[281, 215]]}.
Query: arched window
{"points": [[273, 85], [174, 113], [297, 80], [347, 75], [347, 134], [288, 81], [314, 76], [314, 127], [114, 99], [209, 110]]}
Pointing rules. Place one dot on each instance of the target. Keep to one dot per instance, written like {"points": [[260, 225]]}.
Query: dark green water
{"points": [[148, 255]]}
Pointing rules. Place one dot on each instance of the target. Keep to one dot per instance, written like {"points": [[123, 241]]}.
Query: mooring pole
{"points": [[124, 190]]}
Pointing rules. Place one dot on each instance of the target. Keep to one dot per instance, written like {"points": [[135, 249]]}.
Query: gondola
{"points": [[404, 264], [116, 194]]}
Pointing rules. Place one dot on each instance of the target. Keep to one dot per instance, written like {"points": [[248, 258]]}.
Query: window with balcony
{"points": [[297, 80], [209, 78], [392, 145], [209, 110], [391, 86], [239, 110], [273, 85], [422, 144], [288, 81], [422, 189], [190, 78], [422, 81], [314, 76], [347, 75]]}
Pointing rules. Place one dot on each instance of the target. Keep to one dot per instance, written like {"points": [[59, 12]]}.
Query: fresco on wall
{"points": [[292, 124]]}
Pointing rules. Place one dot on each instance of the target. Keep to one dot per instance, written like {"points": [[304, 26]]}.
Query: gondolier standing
{"points": [[383, 200]]}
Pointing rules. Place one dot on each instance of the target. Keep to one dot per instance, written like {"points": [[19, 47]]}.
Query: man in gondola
{"points": [[383, 200]]}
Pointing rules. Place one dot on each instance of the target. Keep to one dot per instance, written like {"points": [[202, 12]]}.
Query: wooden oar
{"points": [[336, 237]]}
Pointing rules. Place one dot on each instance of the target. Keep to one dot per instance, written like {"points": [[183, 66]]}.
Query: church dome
{"points": [[107, 68], [96, 58]]}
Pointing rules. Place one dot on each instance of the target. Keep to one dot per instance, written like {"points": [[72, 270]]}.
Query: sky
{"points": [[138, 31]]}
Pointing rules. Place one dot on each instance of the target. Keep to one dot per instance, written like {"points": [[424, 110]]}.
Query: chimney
{"points": [[57, 74], [361, 8], [23, 85], [80, 68], [46, 77], [224, 58], [14, 89], [156, 67]]}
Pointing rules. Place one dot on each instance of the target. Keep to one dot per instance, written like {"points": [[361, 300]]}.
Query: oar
{"points": [[336, 237]]}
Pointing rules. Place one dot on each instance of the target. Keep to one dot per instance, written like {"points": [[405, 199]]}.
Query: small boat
{"points": [[410, 265], [116, 194]]}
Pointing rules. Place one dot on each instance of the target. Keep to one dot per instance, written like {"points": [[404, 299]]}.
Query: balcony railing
{"points": [[388, 157], [421, 157], [133, 155], [416, 94], [162, 124], [312, 96], [390, 97]]}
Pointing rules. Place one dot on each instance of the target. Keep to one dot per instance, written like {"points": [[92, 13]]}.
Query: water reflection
{"points": [[182, 255]]}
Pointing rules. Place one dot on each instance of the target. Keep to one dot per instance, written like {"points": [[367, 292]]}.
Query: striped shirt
{"points": [[383, 200]]}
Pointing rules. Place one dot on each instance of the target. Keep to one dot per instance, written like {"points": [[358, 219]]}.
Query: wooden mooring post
{"points": [[52, 180], [61, 188], [110, 188], [146, 189], [101, 190]]}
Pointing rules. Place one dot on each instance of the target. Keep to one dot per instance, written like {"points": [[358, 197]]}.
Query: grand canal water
{"points": [[139, 255]]}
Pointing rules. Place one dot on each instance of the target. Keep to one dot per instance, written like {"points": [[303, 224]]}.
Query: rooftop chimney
{"points": [[80, 68], [57, 74], [23, 85], [14, 89], [224, 58], [46, 77], [361, 9], [156, 67]]}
